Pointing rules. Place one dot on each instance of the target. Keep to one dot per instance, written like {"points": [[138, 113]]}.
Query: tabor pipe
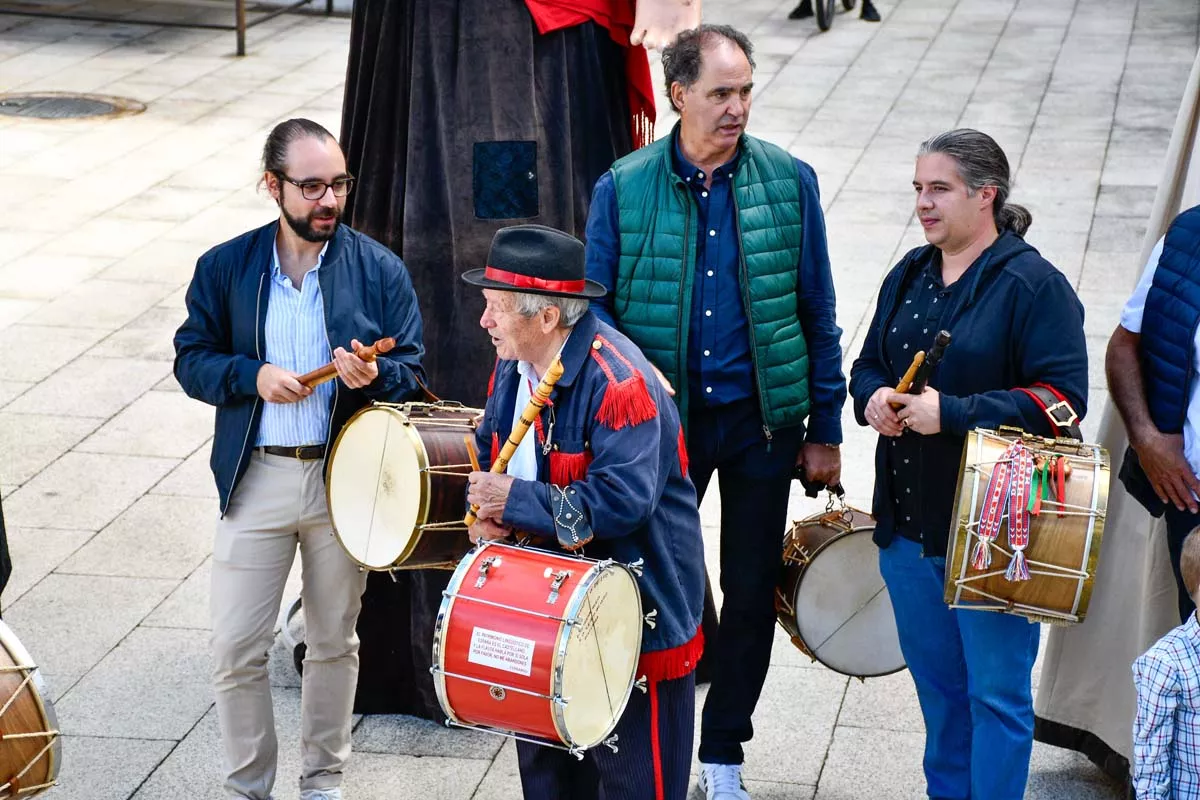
{"points": [[541, 395], [328, 372], [906, 382]]}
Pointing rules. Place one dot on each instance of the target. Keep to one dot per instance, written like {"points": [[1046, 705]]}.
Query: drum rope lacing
{"points": [[14, 782]]}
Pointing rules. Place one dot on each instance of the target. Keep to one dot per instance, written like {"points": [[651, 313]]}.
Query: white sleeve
{"points": [[1131, 315]]}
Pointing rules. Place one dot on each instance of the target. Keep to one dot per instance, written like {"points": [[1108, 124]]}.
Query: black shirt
{"points": [[912, 329]]}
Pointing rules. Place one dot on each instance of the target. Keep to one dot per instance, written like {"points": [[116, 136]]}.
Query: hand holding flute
{"points": [[488, 491]]}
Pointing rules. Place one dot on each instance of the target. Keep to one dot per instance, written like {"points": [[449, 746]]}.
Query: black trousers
{"points": [[755, 478], [1179, 525], [652, 762]]}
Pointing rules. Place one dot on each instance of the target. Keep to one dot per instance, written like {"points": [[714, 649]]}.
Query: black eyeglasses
{"points": [[315, 190]]}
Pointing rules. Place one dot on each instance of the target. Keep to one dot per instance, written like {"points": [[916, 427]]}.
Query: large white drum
{"points": [[831, 598], [397, 485]]}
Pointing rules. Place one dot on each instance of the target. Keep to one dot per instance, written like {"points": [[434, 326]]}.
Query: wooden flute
{"points": [[329, 371], [541, 395]]}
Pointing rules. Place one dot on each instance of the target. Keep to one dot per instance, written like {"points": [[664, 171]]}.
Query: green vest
{"points": [[656, 219]]}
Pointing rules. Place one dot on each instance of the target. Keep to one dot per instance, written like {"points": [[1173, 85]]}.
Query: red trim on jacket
{"points": [[683, 456], [568, 467], [674, 662]]}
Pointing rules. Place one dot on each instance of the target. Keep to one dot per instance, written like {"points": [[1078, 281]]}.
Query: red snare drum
{"points": [[537, 645]]}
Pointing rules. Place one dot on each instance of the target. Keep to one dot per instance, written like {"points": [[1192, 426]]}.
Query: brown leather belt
{"points": [[307, 452]]}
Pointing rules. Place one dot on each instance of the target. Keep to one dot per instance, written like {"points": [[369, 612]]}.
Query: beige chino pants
{"points": [[279, 504]]}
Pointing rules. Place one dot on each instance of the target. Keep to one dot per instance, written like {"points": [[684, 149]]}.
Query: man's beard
{"points": [[303, 226]]}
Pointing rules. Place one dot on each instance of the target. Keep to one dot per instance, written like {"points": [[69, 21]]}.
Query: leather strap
{"points": [[307, 452], [1054, 405]]}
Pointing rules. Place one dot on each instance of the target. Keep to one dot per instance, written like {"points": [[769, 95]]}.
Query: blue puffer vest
{"points": [[1169, 324]]}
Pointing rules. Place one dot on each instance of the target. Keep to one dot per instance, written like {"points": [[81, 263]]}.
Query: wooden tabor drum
{"points": [[30, 752], [1064, 538], [396, 485]]}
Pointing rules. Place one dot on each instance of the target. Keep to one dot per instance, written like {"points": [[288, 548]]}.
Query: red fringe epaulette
{"points": [[566, 468], [683, 456], [626, 401], [674, 662]]}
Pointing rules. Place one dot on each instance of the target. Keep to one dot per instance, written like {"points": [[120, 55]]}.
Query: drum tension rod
{"points": [[484, 566]]}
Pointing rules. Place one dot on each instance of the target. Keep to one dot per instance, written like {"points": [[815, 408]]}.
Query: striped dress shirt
{"points": [[296, 340], [1166, 733]]}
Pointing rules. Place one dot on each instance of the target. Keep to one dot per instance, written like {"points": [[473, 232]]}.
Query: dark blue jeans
{"points": [[971, 669], [755, 478], [1179, 525]]}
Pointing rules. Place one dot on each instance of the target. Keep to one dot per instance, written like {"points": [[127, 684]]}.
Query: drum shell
{"points": [[1069, 542], [803, 543], [437, 437], [500, 702], [31, 711]]}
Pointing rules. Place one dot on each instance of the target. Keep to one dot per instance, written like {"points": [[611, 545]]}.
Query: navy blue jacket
{"points": [[1017, 323], [367, 295], [630, 479]]}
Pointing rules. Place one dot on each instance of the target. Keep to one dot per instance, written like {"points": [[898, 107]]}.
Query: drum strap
{"points": [[1008, 491], [1063, 419]]}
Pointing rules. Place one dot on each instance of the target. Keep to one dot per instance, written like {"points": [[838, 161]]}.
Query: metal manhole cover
{"points": [[60, 105]]}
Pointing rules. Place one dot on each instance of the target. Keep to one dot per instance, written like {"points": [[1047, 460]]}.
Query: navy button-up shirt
{"points": [[720, 365]]}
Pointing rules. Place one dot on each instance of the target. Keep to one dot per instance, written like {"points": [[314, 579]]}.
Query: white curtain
{"points": [[1086, 681]]}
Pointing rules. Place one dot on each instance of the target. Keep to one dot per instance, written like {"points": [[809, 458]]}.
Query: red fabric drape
{"points": [[617, 17]]}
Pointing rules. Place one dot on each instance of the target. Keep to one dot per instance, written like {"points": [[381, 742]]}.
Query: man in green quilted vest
{"points": [[712, 246]]}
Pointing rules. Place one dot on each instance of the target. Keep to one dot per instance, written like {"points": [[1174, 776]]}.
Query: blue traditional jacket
{"points": [[611, 455]]}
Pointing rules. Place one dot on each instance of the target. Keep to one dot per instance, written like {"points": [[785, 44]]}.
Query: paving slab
{"points": [[156, 537], [82, 490], [105, 767], [36, 552], [99, 303], [35, 352], [865, 763], [399, 734], [163, 424], [67, 631], [187, 606], [93, 387], [31, 442], [192, 478], [172, 666]]}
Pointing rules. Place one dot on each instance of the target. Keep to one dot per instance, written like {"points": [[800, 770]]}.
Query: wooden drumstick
{"points": [[328, 372], [469, 441], [541, 395]]}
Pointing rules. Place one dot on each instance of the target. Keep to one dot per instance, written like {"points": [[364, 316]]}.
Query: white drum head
{"points": [[844, 611], [602, 651], [375, 486]]}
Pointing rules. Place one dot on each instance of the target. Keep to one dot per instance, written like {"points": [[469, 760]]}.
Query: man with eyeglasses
{"points": [[263, 309]]}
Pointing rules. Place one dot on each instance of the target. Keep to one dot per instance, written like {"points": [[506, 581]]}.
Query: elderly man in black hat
{"points": [[603, 468]]}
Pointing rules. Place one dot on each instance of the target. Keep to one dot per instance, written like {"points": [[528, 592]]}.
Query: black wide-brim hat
{"points": [[538, 260]]}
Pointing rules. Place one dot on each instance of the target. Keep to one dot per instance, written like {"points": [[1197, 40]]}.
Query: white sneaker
{"points": [[321, 794], [722, 782]]}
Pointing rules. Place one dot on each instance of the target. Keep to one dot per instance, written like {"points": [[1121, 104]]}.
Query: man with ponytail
{"points": [[1017, 331], [263, 309]]}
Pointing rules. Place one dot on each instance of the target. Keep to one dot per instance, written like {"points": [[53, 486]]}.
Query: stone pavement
{"points": [[104, 469]]}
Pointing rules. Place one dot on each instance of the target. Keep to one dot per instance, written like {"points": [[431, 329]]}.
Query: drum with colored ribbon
{"points": [[538, 646], [1029, 517], [397, 484], [831, 598]]}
